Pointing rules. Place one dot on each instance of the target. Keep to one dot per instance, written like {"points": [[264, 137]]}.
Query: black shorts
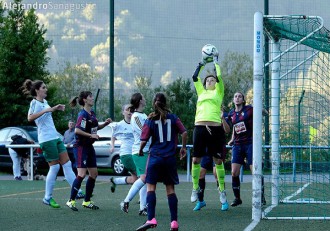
{"points": [[207, 160], [209, 141]]}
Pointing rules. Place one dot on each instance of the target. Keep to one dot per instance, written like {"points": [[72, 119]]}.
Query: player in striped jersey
{"points": [[86, 134], [241, 119], [162, 127]]}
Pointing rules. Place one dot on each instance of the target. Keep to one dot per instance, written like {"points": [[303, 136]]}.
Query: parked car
{"points": [[104, 158], [28, 132]]}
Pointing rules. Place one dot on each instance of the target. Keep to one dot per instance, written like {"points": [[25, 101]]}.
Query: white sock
{"points": [[138, 184], [50, 180], [143, 197], [69, 174], [120, 180]]}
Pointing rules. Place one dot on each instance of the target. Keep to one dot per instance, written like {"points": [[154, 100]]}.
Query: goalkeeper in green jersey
{"points": [[208, 129]]}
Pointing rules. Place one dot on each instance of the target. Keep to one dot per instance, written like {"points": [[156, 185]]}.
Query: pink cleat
{"points": [[174, 226], [148, 225]]}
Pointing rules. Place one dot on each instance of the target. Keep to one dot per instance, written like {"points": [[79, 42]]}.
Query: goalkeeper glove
{"points": [[202, 62], [196, 73], [215, 57]]}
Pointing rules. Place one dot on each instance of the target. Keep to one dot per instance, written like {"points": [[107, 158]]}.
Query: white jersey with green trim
{"points": [[123, 132], [137, 122], [45, 123]]}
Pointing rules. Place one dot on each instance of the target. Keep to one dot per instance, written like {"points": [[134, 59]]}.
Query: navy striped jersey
{"points": [[164, 135], [87, 123], [242, 124]]}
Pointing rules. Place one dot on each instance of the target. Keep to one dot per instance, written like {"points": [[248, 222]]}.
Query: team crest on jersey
{"points": [[94, 130], [83, 124]]}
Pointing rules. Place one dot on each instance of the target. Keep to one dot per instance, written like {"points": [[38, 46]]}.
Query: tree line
{"points": [[23, 55]]}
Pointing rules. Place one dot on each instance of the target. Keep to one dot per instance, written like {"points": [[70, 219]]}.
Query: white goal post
{"points": [[299, 64]]}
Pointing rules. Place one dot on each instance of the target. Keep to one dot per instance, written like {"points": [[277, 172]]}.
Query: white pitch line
{"points": [[297, 192], [40, 191], [251, 226]]}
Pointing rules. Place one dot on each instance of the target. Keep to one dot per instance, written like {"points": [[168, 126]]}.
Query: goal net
{"points": [[299, 67]]}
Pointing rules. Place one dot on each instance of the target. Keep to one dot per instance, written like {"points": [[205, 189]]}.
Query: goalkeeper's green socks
{"points": [[220, 170], [195, 172]]}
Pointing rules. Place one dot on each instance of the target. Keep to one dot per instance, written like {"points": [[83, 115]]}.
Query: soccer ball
{"points": [[208, 52]]}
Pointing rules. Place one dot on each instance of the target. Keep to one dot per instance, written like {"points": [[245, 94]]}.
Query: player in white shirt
{"points": [[123, 131], [52, 146], [138, 104]]}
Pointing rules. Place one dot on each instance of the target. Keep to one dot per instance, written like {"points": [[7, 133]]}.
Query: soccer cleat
{"points": [[124, 206], [148, 225], [113, 186], [199, 205], [143, 212], [223, 200], [236, 202], [223, 197], [224, 206], [89, 205], [194, 195], [174, 226], [72, 204], [51, 202], [80, 195], [18, 178]]}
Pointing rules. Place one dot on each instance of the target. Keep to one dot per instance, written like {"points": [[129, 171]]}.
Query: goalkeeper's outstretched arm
{"points": [[198, 70], [217, 71], [220, 86]]}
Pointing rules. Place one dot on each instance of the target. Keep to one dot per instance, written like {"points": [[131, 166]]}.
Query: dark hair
{"points": [[244, 102], [29, 87], [83, 95], [135, 101], [208, 76], [160, 107]]}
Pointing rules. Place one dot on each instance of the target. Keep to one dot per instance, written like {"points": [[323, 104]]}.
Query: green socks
{"points": [[220, 170], [195, 172]]}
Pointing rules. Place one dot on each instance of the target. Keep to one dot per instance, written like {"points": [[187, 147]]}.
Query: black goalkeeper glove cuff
{"points": [[196, 73]]}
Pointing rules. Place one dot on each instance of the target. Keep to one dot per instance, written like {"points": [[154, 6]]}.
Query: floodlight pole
{"points": [[111, 64], [95, 100]]}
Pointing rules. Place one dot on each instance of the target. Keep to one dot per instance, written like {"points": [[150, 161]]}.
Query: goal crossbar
{"points": [[276, 30]]}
